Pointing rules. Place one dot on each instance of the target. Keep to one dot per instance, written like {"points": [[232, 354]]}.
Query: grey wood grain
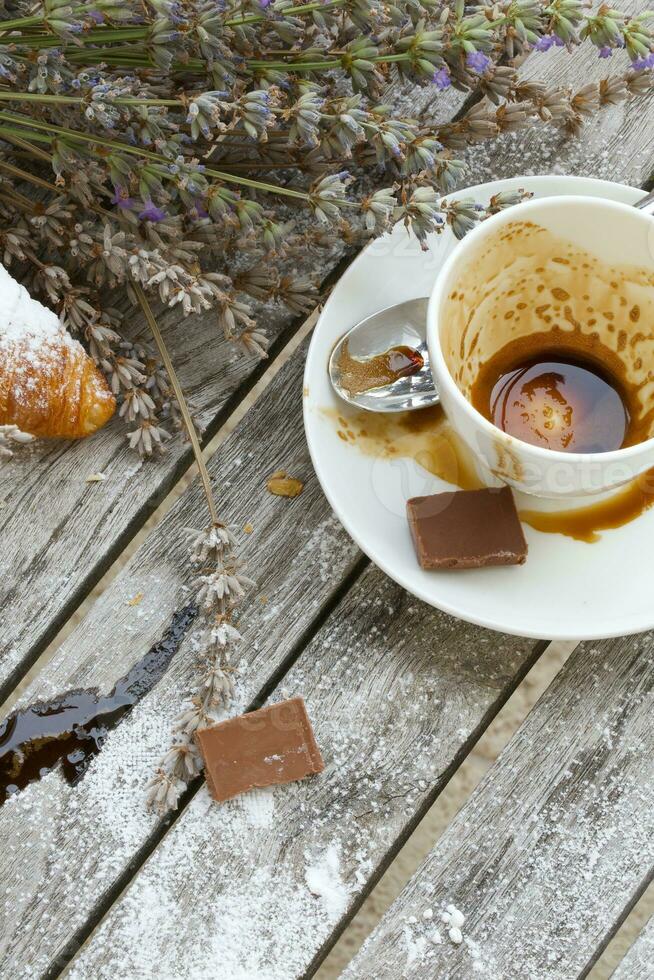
{"points": [[64, 848], [638, 964], [397, 693], [550, 852]]}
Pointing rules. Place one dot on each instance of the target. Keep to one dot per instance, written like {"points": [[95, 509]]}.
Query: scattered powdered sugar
{"points": [[415, 945], [264, 924], [454, 920], [258, 806], [323, 544], [27, 323], [31, 341], [323, 879], [420, 934]]}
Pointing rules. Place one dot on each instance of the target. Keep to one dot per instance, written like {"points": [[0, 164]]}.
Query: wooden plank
{"points": [[398, 693], [555, 845], [63, 848], [638, 964], [60, 534]]}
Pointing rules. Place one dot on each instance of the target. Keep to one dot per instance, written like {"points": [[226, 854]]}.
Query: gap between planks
{"points": [[440, 815], [638, 964]]}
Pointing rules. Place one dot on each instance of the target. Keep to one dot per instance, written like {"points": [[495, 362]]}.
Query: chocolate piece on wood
{"points": [[467, 529], [261, 748]]}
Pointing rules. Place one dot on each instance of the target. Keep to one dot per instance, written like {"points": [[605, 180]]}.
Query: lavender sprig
{"points": [[221, 586]]}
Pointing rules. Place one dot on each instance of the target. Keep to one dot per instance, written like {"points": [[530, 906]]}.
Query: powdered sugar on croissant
{"points": [[49, 386]]}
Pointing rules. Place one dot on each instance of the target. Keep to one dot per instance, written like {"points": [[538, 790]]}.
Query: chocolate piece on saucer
{"points": [[467, 529], [273, 745]]}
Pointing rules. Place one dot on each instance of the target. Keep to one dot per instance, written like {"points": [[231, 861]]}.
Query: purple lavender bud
{"points": [[478, 62], [441, 79], [96, 15], [122, 199], [605, 52], [544, 43], [558, 41], [151, 212], [640, 64], [264, 3]]}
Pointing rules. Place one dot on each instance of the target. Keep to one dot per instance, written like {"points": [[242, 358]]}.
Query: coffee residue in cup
{"points": [[564, 392], [551, 343]]}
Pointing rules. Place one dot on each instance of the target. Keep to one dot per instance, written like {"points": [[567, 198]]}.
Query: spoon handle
{"points": [[645, 202]]}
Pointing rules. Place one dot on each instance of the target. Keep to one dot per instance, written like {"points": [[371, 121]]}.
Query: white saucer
{"points": [[567, 589]]}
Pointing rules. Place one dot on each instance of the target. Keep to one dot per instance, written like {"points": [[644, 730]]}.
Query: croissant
{"points": [[49, 386]]}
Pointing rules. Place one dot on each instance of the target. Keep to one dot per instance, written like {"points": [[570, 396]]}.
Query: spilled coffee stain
{"points": [[71, 728], [585, 523], [423, 435]]}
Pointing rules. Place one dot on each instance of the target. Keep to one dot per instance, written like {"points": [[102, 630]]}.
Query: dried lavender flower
{"points": [[10, 438], [220, 586]]}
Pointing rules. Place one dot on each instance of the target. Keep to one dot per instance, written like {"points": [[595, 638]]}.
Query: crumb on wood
{"points": [[283, 485], [138, 598], [248, 528], [96, 478]]}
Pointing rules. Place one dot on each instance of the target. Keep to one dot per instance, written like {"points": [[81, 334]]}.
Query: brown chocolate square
{"points": [[467, 529], [261, 748]]}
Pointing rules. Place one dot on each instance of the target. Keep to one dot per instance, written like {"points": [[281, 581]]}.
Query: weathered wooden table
{"points": [[547, 856]]}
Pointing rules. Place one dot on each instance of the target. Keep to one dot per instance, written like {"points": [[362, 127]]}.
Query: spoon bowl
{"points": [[399, 325]]}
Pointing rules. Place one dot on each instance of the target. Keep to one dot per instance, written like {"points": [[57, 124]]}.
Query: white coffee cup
{"points": [[597, 249]]}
